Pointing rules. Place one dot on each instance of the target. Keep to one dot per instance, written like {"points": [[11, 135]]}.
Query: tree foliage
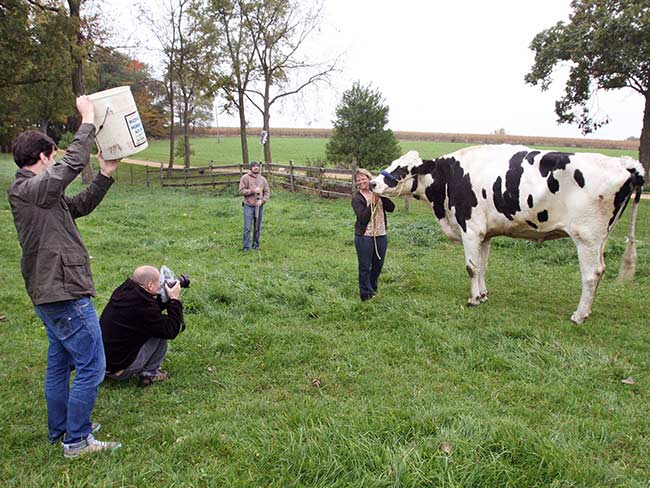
{"points": [[606, 45], [34, 67], [359, 130]]}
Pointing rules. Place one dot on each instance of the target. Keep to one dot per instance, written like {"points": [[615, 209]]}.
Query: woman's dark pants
{"points": [[369, 263]]}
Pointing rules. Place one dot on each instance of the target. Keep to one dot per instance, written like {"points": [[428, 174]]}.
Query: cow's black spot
{"points": [[532, 224], [414, 186], [484, 193], [542, 216], [530, 157], [507, 202], [450, 181], [579, 177], [622, 196], [398, 174], [417, 197], [552, 161], [553, 184], [530, 201]]}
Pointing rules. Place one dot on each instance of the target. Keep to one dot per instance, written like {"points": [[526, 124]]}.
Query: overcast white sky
{"points": [[446, 66]]}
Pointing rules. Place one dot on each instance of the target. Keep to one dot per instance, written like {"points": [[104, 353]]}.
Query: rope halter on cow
{"points": [[399, 183]]}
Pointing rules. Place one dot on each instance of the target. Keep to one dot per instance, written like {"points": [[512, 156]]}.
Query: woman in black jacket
{"points": [[370, 238]]}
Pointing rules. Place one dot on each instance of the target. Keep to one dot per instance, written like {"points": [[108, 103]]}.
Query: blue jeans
{"points": [[75, 341], [249, 222], [369, 264]]}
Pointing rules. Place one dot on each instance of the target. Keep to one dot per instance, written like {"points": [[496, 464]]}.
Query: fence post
{"points": [[185, 171], [161, 175], [291, 175], [320, 179], [241, 170], [212, 173], [148, 177]]}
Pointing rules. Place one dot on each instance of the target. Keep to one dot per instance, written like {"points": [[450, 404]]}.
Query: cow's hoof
{"points": [[484, 297], [577, 319], [473, 302]]}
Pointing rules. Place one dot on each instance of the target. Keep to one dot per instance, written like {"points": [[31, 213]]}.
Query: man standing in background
{"points": [[255, 190]]}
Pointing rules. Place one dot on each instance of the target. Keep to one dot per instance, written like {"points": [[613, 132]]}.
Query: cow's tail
{"points": [[628, 262]]}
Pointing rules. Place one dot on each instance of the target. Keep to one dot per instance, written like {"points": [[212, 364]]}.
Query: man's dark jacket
{"points": [[55, 263], [130, 318]]}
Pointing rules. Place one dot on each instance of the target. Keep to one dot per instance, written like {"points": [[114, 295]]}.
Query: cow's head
{"points": [[399, 178]]}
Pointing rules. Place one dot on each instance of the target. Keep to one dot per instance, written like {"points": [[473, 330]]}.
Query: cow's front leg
{"points": [[592, 268], [472, 249], [485, 253]]}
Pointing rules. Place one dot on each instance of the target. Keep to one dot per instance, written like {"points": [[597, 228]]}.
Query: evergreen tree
{"points": [[359, 134]]}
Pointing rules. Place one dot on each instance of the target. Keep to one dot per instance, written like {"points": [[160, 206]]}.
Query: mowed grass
{"points": [[302, 150], [284, 378]]}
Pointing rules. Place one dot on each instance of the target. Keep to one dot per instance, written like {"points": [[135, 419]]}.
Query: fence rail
{"points": [[326, 182]]}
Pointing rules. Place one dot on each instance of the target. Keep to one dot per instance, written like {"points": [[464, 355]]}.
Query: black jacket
{"points": [[362, 211], [130, 318]]}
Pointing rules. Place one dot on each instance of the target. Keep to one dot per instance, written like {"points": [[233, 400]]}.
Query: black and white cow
{"points": [[485, 191]]}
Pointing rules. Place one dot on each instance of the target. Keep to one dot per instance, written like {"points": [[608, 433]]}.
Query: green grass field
{"points": [[523, 397], [303, 150]]}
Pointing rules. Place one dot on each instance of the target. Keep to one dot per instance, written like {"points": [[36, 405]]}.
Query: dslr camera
{"points": [[167, 278]]}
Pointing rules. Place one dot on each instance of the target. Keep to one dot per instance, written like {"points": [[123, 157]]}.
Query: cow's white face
{"points": [[397, 179]]}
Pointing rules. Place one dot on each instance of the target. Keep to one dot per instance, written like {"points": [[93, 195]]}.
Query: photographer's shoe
{"points": [[88, 446], [146, 380]]}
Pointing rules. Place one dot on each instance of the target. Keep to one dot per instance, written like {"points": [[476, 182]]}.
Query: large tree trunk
{"points": [[88, 173], [644, 143], [186, 136], [627, 269], [266, 122], [242, 129], [170, 165]]}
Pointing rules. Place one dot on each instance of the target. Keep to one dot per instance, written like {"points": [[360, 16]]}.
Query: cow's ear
{"points": [[425, 168]]}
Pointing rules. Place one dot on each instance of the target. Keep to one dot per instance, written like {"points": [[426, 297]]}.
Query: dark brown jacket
{"points": [[55, 263]]}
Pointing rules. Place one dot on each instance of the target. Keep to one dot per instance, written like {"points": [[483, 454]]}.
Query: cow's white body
{"points": [[485, 191]]}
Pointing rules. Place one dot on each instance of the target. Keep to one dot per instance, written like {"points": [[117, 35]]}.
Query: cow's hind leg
{"points": [[485, 253], [592, 268], [471, 247]]}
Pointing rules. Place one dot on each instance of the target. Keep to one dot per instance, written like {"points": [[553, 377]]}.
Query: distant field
{"points": [[306, 150]]}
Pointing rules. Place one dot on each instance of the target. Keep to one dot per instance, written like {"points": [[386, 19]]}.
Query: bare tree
{"points": [[227, 19], [278, 30], [162, 21]]}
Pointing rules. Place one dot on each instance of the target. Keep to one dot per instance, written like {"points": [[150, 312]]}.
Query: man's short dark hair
{"points": [[253, 164], [28, 146]]}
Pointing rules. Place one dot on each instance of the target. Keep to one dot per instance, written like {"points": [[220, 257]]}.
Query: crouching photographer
{"points": [[143, 313]]}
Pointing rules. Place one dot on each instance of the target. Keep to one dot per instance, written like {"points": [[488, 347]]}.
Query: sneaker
{"points": [[146, 380], [88, 446], [94, 428]]}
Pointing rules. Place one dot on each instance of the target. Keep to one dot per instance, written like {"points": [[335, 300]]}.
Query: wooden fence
{"points": [[326, 182]]}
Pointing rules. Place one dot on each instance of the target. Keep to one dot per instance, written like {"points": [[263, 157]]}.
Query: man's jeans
{"points": [[369, 264], [75, 341], [147, 362], [249, 221]]}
